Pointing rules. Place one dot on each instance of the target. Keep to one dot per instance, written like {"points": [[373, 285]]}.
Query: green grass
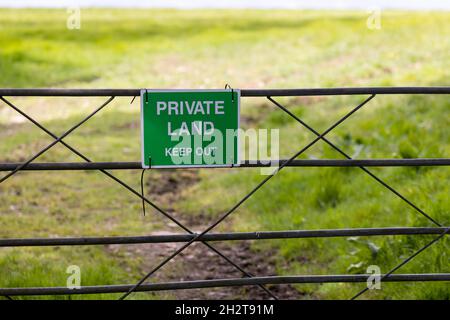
{"points": [[247, 49]]}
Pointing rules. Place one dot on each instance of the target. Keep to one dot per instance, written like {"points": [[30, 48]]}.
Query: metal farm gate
{"points": [[206, 237]]}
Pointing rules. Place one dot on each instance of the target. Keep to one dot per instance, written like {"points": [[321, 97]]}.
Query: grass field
{"points": [[247, 49]]}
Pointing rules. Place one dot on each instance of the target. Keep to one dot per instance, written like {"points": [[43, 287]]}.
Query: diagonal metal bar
{"points": [[128, 187], [223, 217], [57, 139], [350, 158], [82, 156], [59, 92], [211, 247], [73, 166], [415, 254], [228, 282], [382, 183], [135, 192]]}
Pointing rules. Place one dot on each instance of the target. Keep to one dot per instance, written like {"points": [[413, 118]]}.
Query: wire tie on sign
{"points": [[227, 86], [142, 191], [132, 100]]}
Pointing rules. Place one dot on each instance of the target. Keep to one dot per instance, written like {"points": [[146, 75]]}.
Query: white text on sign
{"points": [[193, 108]]}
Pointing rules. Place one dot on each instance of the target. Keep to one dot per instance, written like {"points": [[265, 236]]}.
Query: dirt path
{"points": [[198, 262]]}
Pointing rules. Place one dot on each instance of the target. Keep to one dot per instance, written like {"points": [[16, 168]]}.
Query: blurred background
{"points": [[207, 44]]}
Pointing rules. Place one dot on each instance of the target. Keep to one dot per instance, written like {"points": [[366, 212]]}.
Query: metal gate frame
{"points": [[206, 236]]}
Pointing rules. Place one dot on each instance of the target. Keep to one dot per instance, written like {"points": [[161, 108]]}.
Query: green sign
{"points": [[190, 128]]}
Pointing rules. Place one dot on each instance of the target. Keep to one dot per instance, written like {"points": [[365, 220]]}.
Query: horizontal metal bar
{"points": [[244, 92], [56, 92], [290, 234], [222, 283], [245, 164], [36, 166]]}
